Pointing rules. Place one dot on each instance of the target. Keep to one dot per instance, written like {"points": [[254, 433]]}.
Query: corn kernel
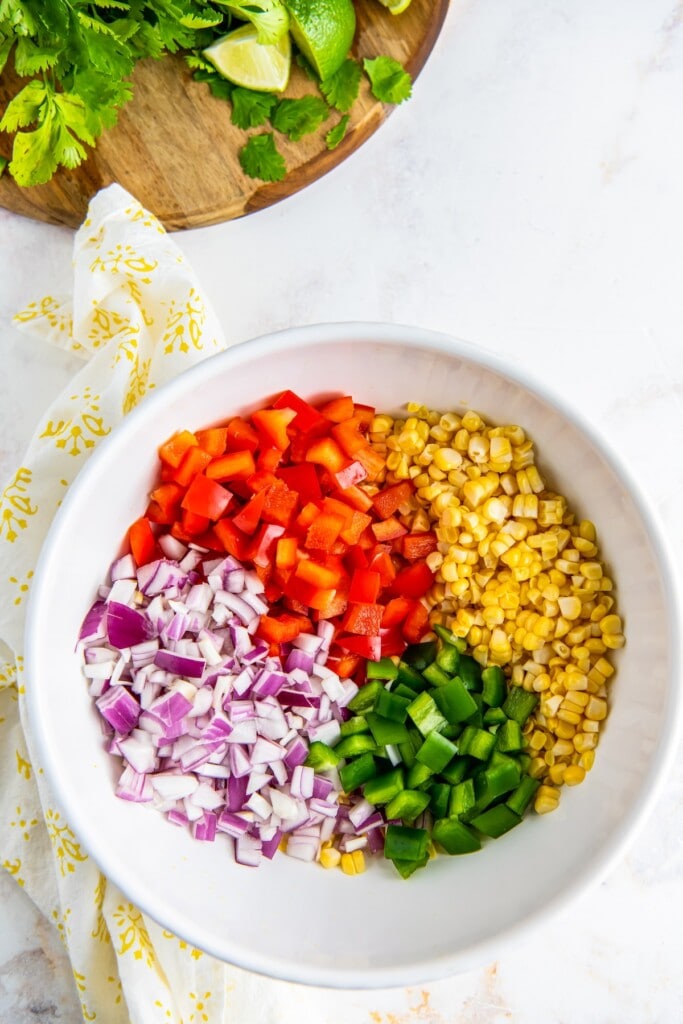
{"points": [[587, 760], [330, 857], [547, 799], [574, 775], [613, 641]]}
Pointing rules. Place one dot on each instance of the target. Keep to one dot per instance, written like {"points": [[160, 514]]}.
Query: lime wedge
{"points": [[240, 58], [395, 7], [323, 30]]}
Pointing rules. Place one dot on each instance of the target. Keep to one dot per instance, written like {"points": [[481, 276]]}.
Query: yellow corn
{"points": [[353, 863], [330, 857]]}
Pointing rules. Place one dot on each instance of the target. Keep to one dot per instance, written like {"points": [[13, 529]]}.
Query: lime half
{"points": [[323, 30], [240, 58]]}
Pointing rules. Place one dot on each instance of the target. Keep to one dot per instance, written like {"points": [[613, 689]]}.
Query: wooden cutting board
{"points": [[175, 149]]}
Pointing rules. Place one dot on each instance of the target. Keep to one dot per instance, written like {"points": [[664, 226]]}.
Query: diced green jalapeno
{"points": [[418, 775], [355, 773], [418, 656], [509, 736], [353, 725], [406, 868], [462, 798], [425, 714], [455, 837], [406, 805], [384, 788], [523, 795], [496, 821], [436, 752], [410, 677], [494, 688], [353, 746], [321, 757], [476, 742], [454, 701], [439, 798], [392, 705], [435, 675], [494, 716], [456, 771], [519, 704], [384, 730], [402, 842], [365, 699], [470, 672], [382, 669], [450, 638], [448, 660]]}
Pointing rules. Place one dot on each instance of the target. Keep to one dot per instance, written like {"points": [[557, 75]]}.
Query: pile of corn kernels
{"points": [[516, 576]]}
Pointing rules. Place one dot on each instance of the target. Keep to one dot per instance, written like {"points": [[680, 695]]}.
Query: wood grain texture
{"points": [[175, 149]]}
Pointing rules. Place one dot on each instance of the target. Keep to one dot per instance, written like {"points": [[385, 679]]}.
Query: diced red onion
{"points": [[120, 708]]}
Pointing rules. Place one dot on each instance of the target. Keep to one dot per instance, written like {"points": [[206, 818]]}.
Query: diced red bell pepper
{"points": [[271, 425], [232, 466], [260, 480], [364, 619], [365, 414], [283, 628], [354, 529], [303, 479], [338, 409], [390, 499], [236, 543], [388, 530], [416, 546], [349, 438], [249, 516], [381, 562], [323, 531], [372, 461], [280, 504], [286, 553], [213, 440], [351, 474], [262, 552], [356, 498], [326, 452], [307, 417], [309, 513], [344, 664], [193, 523], [395, 611], [416, 623], [269, 459], [365, 586], [356, 557], [240, 435], [369, 647], [206, 498], [194, 461], [321, 576], [414, 581], [171, 452], [164, 504], [142, 541], [392, 642], [335, 606]]}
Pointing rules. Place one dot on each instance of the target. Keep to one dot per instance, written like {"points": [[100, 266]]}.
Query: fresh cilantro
{"points": [[306, 68], [336, 134], [296, 118], [220, 87], [389, 81], [269, 17], [251, 109], [3, 165], [260, 158], [341, 89]]}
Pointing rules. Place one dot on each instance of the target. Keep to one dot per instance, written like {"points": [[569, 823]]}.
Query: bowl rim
{"points": [[609, 853]]}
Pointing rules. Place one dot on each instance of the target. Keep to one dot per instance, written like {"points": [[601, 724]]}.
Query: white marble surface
{"points": [[528, 198]]}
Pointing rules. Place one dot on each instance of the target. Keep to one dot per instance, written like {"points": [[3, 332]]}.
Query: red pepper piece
{"points": [[286, 553], [269, 459], [142, 542], [414, 581], [354, 529], [280, 504], [307, 417], [365, 414], [303, 479], [193, 523], [326, 452], [390, 499], [381, 562], [416, 546], [323, 531], [365, 586], [344, 664], [395, 611], [240, 435], [373, 463], [388, 530], [364, 619], [283, 628], [338, 409], [320, 576], [249, 516], [351, 474], [232, 466], [356, 557], [171, 452], [309, 513], [336, 605], [271, 425], [349, 438], [416, 623], [213, 440], [260, 481], [356, 498], [194, 461], [369, 647], [262, 551], [206, 498], [392, 643], [236, 543]]}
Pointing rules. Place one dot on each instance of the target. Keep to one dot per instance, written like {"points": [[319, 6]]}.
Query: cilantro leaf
{"points": [[24, 108], [341, 89], [306, 68], [260, 158], [269, 17], [220, 87], [389, 81], [296, 118], [336, 134], [6, 44], [34, 155], [251, 109], [3, 165]]}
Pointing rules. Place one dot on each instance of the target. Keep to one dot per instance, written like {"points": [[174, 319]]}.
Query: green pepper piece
{"points": [[498, 779], [418, 656], [494, 716], [519, 704], [384, 730], [410, 677], [353, 725], [454, 701], [418, 775], [454, 837], [406, 805], [470, 672], [365, 699], [425, 714], [494, 687], [519, 800], [406, 868], [392, 705], [435, 675], [448, 660], [450, 638], [321, 757], [462, 798], [477, 743], [436, 752], [354, 746], [509, 737], [456, 771], [353, 774], [385, 668], [402, 842], [496, 821], [451, 732], [439, 797], [401, 690], [384, 788]]}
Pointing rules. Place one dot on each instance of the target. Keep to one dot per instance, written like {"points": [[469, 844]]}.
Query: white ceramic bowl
{"points": [[289, 919]]}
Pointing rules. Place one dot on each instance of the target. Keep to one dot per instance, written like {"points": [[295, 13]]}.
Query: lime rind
{"points": [[243, 60]]}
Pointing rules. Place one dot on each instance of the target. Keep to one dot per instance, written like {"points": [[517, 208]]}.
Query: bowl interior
{"points": [[289, 919]]}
